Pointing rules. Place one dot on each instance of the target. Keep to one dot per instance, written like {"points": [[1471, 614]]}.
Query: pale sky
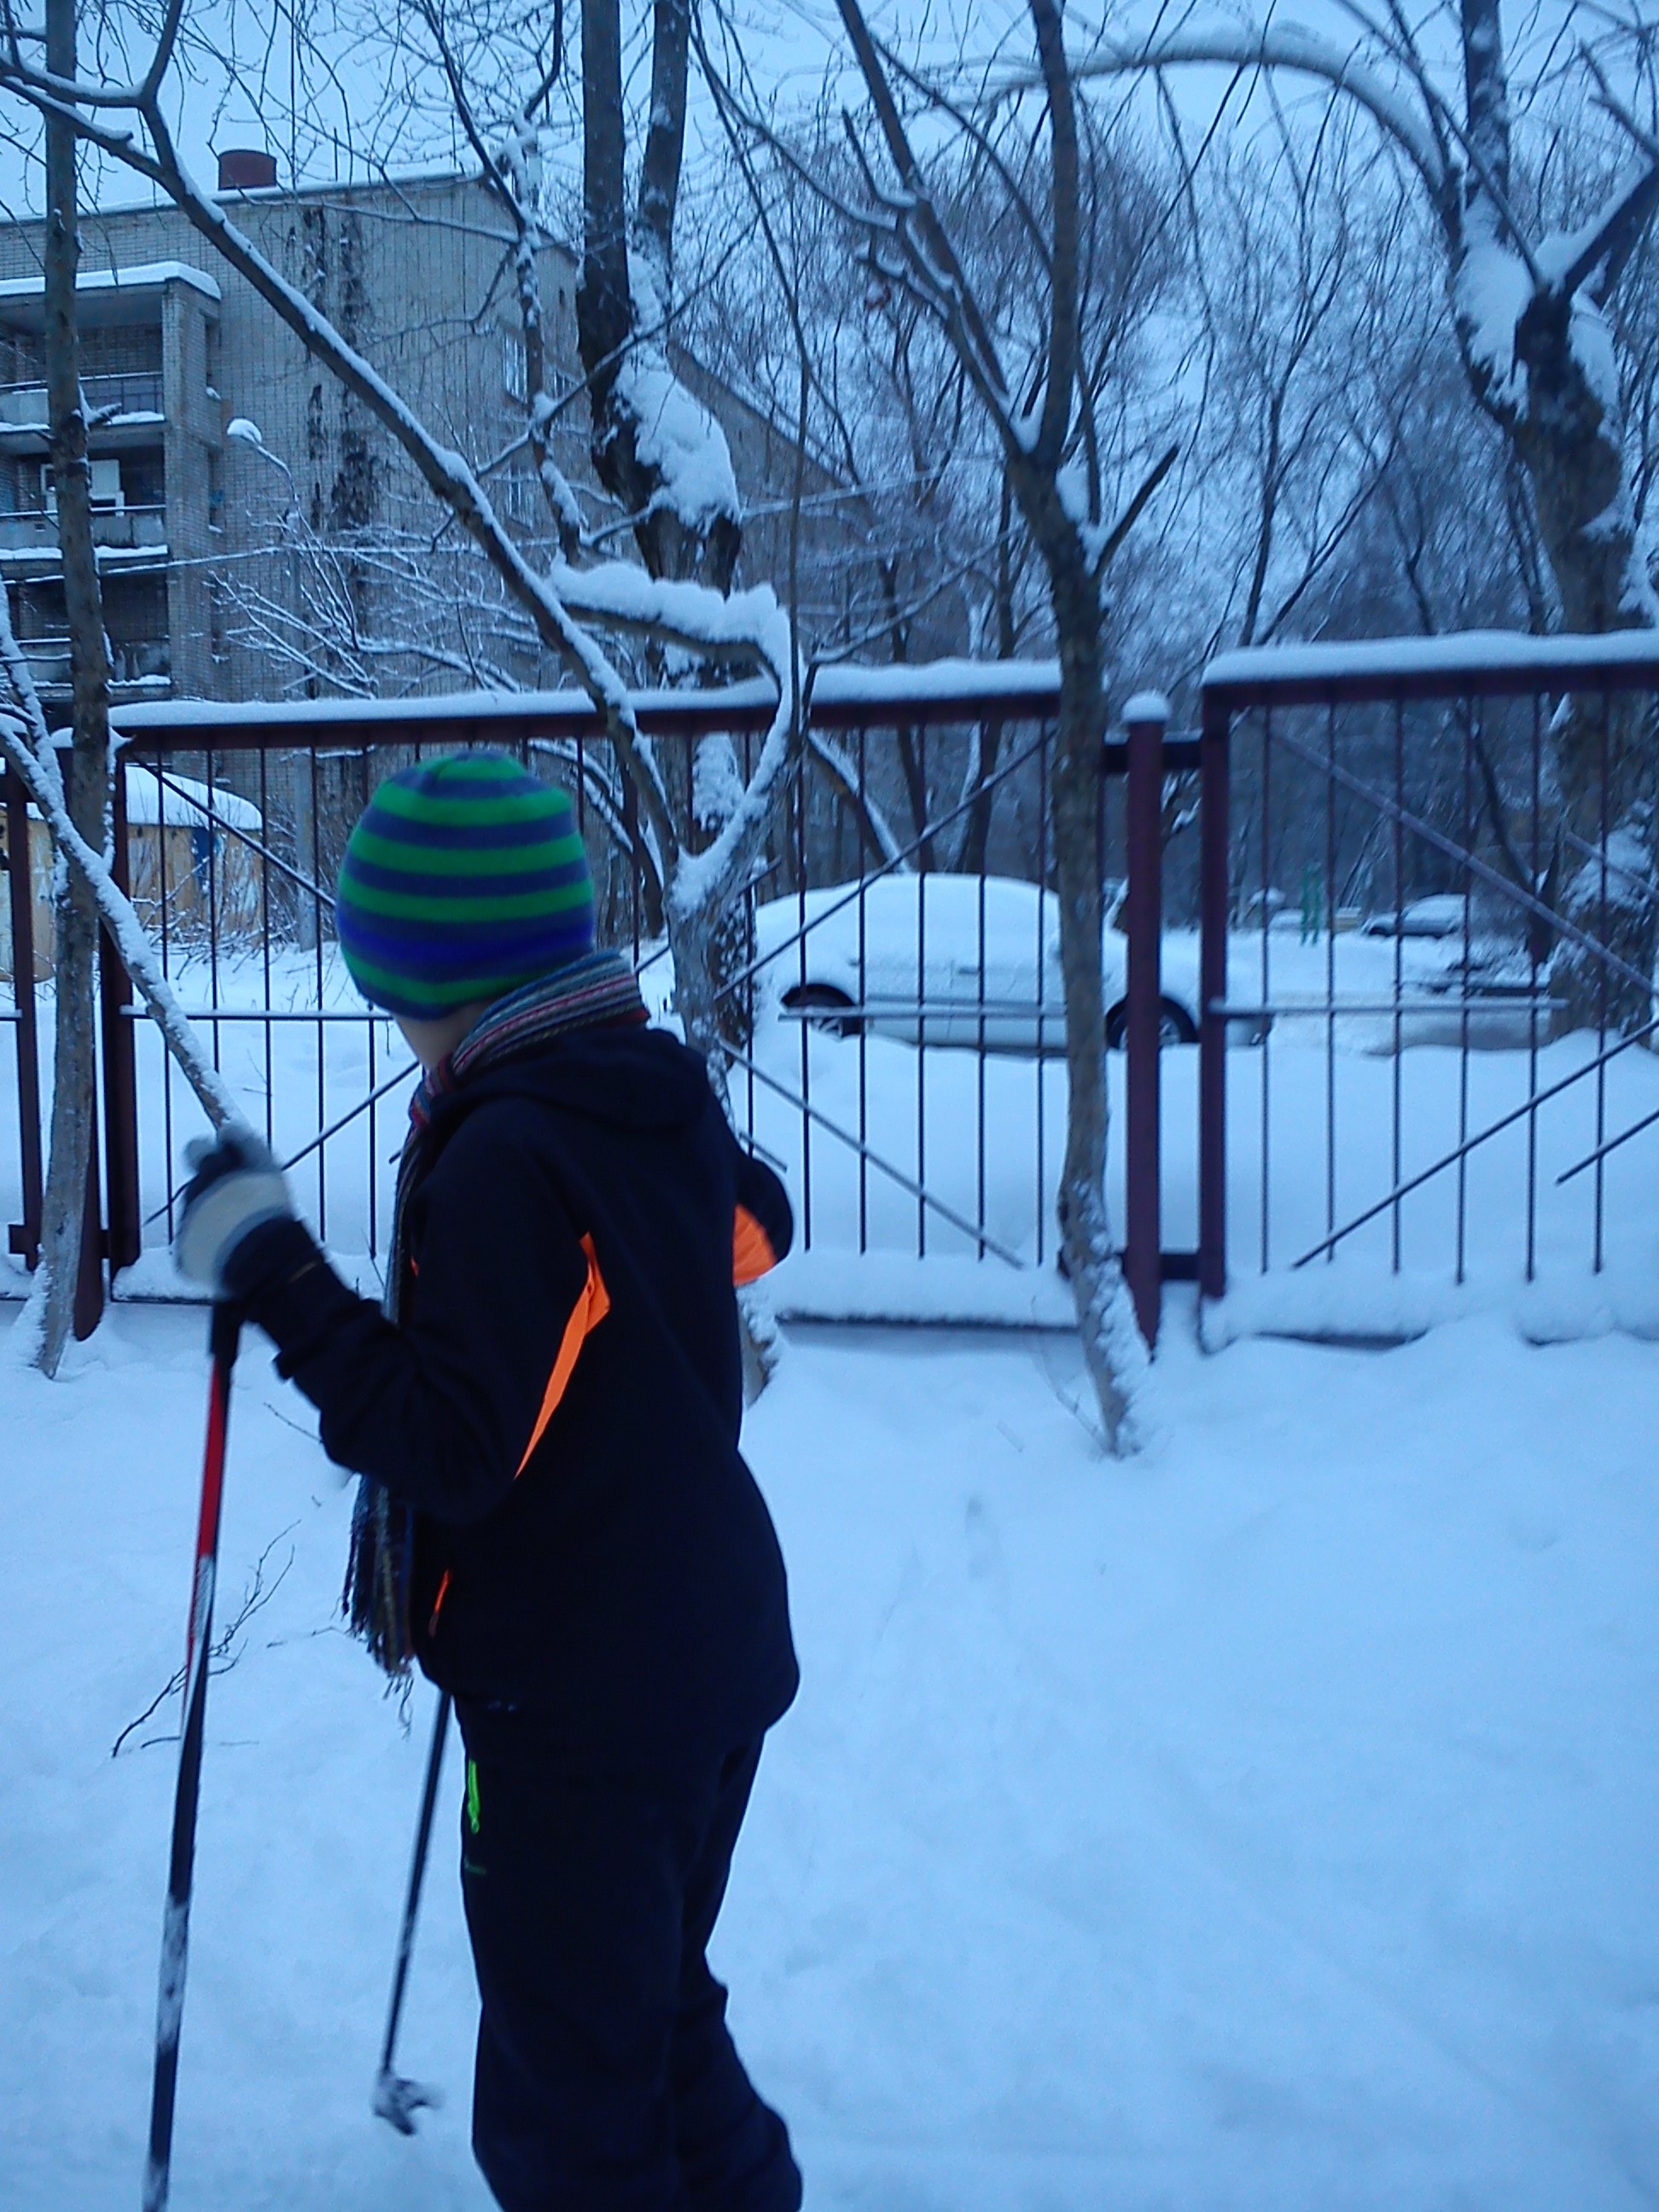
{"points": [[794, 51]]}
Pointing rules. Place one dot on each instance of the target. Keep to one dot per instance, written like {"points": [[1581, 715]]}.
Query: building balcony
{"points": [[138, 532], [132, 396], [145, 661]]}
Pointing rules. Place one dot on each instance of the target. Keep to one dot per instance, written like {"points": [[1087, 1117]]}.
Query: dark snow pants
{"points": [[606, 2079]]}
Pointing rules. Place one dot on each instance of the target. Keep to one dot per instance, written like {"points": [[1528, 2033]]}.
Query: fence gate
{"points": [[1429, 867], [1400, 895]]}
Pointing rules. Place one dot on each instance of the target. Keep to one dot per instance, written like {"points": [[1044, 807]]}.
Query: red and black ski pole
{"points": [[227, 1329]]}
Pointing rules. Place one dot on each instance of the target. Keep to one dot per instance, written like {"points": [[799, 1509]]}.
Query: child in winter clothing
{"points": [[554, 1519]]}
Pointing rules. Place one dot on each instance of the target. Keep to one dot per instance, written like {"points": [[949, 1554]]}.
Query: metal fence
{"points": [[1431, 864], [898, 1051], [1361, 891]]}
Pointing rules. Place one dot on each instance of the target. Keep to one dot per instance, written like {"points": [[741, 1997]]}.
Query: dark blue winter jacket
{"points": [[561, 1398]]}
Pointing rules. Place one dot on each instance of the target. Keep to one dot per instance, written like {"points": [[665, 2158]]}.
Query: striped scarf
{"points": [[598, 991]]}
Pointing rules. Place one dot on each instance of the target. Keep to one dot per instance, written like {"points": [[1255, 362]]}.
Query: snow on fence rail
{"points": [[1349, 892]]}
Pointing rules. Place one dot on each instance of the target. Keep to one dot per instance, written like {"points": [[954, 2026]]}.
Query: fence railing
{"points": [[1432, 860], [117, 394], [900, 1033], [1402, 876]]}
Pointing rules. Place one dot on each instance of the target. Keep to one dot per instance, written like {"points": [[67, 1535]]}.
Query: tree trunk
{"points": [[1570, 445], [1093, 1264], [1111, 1344], [640, 416], [1558, 404], [991, 734], [625, 296], [75, 1081]]}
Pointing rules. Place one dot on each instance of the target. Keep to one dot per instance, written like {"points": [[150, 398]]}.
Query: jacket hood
{"points": [[628, 1077]]}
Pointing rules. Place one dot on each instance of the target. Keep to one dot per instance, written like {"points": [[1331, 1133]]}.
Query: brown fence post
{"points": [[23, 1238], [120, 1066], [89, 1276], [1215, 846], [1145, 719]]}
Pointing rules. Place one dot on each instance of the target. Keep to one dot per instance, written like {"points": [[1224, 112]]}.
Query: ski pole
{"points": [[225, 1332], [396, 2098]]}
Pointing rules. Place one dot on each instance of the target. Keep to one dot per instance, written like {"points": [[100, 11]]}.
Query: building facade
{"points": [[302, 559]]}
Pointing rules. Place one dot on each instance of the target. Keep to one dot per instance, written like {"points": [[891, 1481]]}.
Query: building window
{"points": [[121, 349], [105, 486], [521, 491], [514, 380], [216, 492], [143, 478]]}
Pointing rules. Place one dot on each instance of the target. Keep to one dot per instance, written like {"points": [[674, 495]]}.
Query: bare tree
{"points": [[707, 847], [1532, 302], [76, 927], [1038, 380], [932, 553], [566, 605], [1296, 270], [899, 561]]}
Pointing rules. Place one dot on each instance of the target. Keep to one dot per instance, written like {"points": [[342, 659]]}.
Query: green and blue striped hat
{"points": [[465, 878]]}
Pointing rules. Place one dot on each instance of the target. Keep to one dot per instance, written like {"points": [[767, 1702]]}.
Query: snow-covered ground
{"points": [[1267, 1822]]}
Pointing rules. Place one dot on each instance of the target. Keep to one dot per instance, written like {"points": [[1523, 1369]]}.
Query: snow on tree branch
{"points": [[1276, 46], [675, 435]]}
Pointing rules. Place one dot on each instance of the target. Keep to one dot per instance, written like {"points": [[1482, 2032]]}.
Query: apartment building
{"points": [[149, 345], [213, 548]]}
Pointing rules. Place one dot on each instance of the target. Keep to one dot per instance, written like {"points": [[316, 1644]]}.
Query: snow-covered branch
{"points": [[1273, 45], [748, 624]]}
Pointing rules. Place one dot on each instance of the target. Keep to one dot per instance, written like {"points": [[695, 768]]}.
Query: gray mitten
{"points": [[235, 1186]]}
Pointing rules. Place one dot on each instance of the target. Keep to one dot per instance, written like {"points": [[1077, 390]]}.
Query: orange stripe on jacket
{"points": [[753, 1256], [589, 1310], [438, 1601]]}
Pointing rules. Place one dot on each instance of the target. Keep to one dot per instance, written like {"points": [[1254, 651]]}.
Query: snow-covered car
{"points": [[946, 960], [1439, 915], [1450, 947]]}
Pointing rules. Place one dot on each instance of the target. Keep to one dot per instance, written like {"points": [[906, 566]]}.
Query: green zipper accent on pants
{"points": [[473, 1796]]}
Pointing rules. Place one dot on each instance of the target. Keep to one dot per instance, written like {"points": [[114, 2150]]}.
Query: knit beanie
{"points": [[465, 878]]}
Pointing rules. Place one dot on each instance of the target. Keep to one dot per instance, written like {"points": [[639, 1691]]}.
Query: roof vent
{"points": [[246, 170]]}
